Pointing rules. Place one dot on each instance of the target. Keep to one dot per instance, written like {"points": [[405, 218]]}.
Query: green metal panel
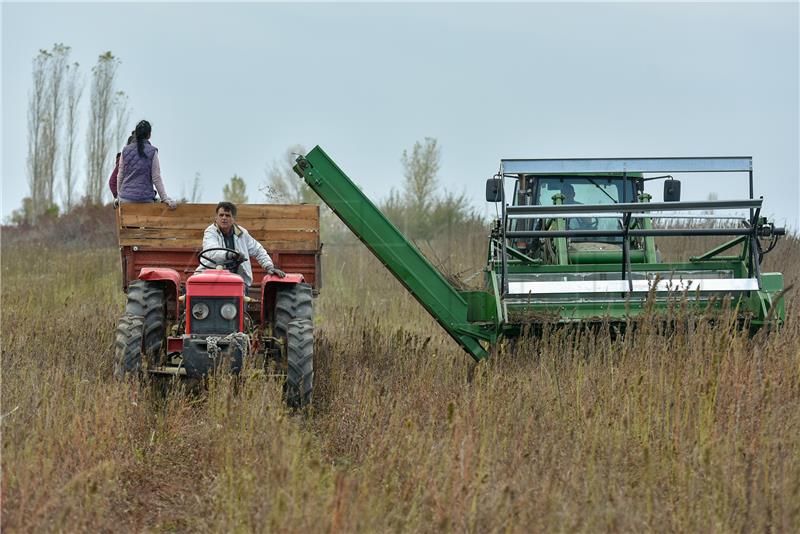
{"points": [[770, 297], [448, 306], [647, 224], [619, 309], [561, 242], [604, 256], [737, 266], [714, 252], [482, 307]]}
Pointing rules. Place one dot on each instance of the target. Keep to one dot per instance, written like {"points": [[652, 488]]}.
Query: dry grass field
{"points": [[574, 431]]}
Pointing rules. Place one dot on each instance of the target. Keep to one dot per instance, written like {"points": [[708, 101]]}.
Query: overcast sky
{"points": [[229, 87]]}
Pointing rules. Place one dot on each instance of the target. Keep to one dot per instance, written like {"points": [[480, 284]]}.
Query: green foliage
{"points": [[421, 211], [235, 191], [24, 215]]}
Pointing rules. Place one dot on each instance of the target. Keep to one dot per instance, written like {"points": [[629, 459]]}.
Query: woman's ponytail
{"points": [[142, 132]]}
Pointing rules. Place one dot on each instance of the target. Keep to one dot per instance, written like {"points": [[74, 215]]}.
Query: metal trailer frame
{"points": [[622, 167]]}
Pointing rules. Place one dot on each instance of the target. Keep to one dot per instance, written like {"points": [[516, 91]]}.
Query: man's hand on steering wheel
{"points": [[233, 259]]}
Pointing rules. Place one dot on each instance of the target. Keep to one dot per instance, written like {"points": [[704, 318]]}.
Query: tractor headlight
{"points": [[228, 311], [200, 311]]}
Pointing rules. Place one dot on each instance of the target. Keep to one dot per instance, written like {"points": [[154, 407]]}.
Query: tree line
{"points": [[53, 132], [417, 206]]}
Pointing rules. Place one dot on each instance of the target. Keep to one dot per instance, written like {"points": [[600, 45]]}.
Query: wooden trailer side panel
{"points": [[151, 235]]}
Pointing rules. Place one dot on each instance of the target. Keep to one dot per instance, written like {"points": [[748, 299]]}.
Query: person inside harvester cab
{"points": [[569, 193]]}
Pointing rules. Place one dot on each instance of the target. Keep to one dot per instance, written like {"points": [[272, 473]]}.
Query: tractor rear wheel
{"points": [[300, 362], [146, 299], [128, 345], [294, 314], [293, 301]]}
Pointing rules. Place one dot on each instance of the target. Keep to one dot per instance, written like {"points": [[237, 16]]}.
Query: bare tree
{"points": [[56, 73], [420, 172], [74, 92], [100, 136], [283, 185], [37, 105], [122, 118], [45, 114], [197, 189], [421, 211]]}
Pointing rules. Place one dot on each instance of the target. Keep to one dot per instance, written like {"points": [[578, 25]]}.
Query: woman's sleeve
{"points": [[157, 181], [119, 174]]}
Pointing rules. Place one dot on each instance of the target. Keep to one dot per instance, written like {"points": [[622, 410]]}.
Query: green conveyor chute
{"points": [[470, 317]]}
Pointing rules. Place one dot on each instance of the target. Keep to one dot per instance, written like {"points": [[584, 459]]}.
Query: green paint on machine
{"points": [[575, 244]]}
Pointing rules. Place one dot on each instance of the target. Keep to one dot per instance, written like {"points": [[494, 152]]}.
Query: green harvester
{"points": [[576, 244]]}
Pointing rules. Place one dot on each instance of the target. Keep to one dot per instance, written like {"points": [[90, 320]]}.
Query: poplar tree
{"points": [[107, 128]]}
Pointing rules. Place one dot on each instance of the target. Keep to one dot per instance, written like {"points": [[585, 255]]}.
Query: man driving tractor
{"points": [[227, 244]]}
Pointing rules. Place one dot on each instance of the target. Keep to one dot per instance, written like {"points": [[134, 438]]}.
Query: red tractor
{"points": [[183, 323]]}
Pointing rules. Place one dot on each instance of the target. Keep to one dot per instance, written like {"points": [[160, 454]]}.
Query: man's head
{"points": [[226, 215], [568, 191]]}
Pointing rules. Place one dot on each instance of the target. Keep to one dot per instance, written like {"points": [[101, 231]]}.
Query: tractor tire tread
{"points": [[147, 299], [128, 347], [292, 302], [300, 359]]}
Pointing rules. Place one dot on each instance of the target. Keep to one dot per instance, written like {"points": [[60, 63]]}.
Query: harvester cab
{"points": [[576, 243]]}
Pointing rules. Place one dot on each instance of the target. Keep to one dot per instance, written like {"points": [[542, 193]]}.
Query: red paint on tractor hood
{"points": [[215, 284]]}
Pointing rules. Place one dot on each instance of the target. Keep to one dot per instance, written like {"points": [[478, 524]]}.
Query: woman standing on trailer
{"points": [[140, 171]]}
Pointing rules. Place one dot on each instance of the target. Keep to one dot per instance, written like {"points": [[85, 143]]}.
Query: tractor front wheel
{"points": [[146, 299], [128, 345]]}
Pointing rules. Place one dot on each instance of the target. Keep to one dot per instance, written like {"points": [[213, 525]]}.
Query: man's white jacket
{"points": [[245, 245]]}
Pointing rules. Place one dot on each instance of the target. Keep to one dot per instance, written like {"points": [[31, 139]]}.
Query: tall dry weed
{"points": [[575, 430]]}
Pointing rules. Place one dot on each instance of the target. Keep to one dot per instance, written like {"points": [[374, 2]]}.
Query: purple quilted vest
{"points": [[137, 183]]}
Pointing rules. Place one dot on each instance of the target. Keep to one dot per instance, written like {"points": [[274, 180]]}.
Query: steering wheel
{"points": [[231, 264]]}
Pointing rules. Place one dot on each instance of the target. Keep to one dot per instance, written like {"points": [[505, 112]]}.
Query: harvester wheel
{"points": [[146, 299], [128, 345], [292, 302], [300, 360]]}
